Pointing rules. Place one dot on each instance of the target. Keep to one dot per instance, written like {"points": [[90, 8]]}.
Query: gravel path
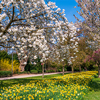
{"points": [[30, 75]]}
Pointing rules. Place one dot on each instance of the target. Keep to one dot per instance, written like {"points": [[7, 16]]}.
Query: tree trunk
{"points": [[42, 70], [99, 70], [22, 67], [72, 69], [80, 68], [63, 70]]}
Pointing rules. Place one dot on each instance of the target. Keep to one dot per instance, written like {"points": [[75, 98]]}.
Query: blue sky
{"points": [[68, 5]]}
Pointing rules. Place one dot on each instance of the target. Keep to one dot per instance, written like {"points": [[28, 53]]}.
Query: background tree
{"points": [[4, 55], [83, 51], [96, 58], [90, 12]]}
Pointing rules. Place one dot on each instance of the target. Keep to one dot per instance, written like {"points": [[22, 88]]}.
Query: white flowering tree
{"points": [[72, 42], [90, 12], [66, 47], [22, 22], [42, 52]]}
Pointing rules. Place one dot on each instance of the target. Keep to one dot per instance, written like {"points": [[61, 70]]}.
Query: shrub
{"points": [[65, 69], [24, 72], [39, 71], [6, 65], [76, 69], [69, 68], [5, 73], [49, 71], [34, 71], [59, 70]]}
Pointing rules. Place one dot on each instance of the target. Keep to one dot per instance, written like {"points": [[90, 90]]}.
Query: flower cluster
{"points": [[58, 88]]}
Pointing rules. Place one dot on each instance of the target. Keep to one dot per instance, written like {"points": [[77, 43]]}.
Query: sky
{"points": [[68, 5]]}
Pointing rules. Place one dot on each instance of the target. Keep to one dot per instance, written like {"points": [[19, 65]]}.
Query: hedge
{"points": [[5, 73], [34, 71], [49, 71]]}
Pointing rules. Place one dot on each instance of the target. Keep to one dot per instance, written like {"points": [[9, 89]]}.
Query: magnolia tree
{"points": [[66, 47], [24, 23], [61, 55], [72, 44], [90, 12], [42, 52]]}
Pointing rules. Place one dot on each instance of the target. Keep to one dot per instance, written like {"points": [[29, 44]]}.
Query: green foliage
{"points": [[76, 69], [95, 67], [90, 65], [53, 64], [59, 70], [30, 66], [65, 69], [5, 73], [68, 68], [34, 71], [4, 55], [24, 72], [49, 71], [15, 57], [39, 71]]}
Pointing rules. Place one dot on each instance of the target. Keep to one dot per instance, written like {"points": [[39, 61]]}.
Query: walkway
{"points": [[30, 75]]}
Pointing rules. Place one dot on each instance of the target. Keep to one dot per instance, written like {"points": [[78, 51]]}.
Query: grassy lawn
{"points": [[94, 94], [10, 82], [74, 90]]}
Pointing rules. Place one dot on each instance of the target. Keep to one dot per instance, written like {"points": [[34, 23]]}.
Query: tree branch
{"points": [[9, 22]]}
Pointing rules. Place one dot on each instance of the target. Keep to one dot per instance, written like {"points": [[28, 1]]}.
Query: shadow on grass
{"points": [[95, 84], [10, 82]]}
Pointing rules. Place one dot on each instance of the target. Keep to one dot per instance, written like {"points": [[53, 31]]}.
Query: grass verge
{"points": [[94, 94]]}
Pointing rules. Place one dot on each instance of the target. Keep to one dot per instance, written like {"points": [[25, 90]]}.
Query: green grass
{"points": [[94, 94], [10, 82]]}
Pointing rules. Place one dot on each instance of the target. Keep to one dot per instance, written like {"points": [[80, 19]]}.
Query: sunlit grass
{"points": [[52, 87], [94, 93]]}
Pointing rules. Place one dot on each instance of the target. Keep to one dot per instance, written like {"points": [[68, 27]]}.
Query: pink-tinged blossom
{"points": [[95, 57]]}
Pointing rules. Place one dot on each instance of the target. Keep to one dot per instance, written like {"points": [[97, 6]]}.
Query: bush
{"points": [[49, 71], [76, 69], [65, 69], [5, 73], [34, 71], [24, 72], [59, 70], [39, 71], [6, 65], [69, 68]]}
